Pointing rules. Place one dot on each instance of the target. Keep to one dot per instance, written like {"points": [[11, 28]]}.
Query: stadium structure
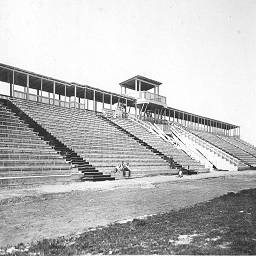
{"points": [[55, 131]]}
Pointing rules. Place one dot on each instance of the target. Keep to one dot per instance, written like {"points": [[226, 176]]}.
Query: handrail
{"points": [[208, 145], [151, 128], [197, 155]]}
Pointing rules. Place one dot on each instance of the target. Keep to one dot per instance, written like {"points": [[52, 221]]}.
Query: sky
{"points": [[203, 51]]}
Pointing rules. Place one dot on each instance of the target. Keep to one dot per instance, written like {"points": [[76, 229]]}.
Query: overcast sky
{"points": [[204, 52]]}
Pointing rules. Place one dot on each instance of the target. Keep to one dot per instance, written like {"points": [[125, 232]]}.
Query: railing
{"points": [[147, 96], [5, 97], [155, 97], [190, 150], [208, 145]]}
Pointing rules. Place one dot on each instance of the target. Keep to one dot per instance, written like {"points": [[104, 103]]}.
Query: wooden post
{"points": [[65, 95], [103, 104], [12, 85], [53, 93], [27, 87], [75, 96], [94, 100], [85, 102], [41, 88]]}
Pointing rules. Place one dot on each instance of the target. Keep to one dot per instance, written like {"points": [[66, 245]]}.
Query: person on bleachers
{"points": [[119, 167], [126, 169], [180, 175]]}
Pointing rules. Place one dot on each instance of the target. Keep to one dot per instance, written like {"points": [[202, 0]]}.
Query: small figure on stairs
{"points": [[126, 169], [180, 175]]}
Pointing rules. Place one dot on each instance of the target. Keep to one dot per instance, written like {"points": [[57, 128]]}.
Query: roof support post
{"points": [[140, 88], [111, 101], [75, 96], [41, 89], [94, 101], [65, 94], [12, 85], [54, 87], [174, 116], [103, 103], [27, 87], [85, 102]]}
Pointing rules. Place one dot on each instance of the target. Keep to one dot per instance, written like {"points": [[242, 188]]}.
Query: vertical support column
{"points": [[65, 95], [169, 115], [94, 101], [103, 99], [54, 93], [41, 88], [27, 87], [85, 101], [37, 95], [12, 85], [173, 115], [126, 105], [111, 101], [75, 96], [136, 84]]}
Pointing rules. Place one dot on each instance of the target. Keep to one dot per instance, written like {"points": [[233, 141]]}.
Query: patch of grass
{"points": [[224, 225]]}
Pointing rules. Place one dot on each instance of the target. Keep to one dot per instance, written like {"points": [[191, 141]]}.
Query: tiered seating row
{"points": [[231, 146], [23, 153], [158, 143], [94, 139]]}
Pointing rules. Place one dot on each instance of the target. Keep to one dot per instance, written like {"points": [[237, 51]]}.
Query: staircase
{"points": [[27, 159], [160, 144], [89, 172], [169, 160], [94, 139]]}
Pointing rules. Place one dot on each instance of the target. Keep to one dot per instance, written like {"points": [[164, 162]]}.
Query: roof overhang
{"points": [[146, 83]]}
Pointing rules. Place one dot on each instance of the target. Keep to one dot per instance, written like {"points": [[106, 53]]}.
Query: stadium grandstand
{"points": [[55, 131]]}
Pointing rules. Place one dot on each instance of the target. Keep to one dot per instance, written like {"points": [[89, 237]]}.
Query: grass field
{"points": [[224, 225]]}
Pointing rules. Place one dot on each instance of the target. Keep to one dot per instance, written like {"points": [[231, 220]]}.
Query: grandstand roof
{"points": [[8, 73], [146, 83]]}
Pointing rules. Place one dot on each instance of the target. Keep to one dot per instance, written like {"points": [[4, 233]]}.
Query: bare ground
{"points": [[31, 214]]}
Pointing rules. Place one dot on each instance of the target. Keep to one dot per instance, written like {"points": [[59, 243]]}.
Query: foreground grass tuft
{"points": [[224, 225]]}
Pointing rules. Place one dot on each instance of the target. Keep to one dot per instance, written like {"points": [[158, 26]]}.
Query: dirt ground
{"points": [[31, 214]]}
